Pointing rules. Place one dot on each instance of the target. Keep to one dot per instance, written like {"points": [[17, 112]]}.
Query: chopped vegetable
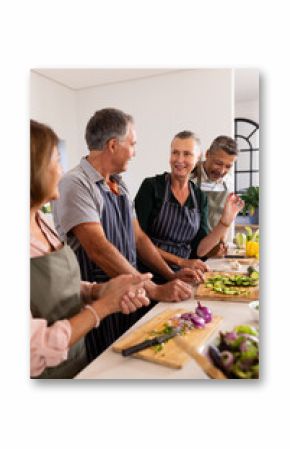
{"points": [[215, 355], [246, 329], [232, 284], [158, 348], [183, 323], [237, 353], [203, 312], [227, 359]]}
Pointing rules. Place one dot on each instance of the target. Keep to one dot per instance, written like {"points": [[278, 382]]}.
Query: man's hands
{"points": [[190, 276], [195, 264], [173, 291], [234, 204], [191, 270]]}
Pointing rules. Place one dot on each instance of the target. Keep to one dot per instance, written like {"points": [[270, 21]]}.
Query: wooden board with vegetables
{"points": [[247, 261], [229, 286], [170, 353]]}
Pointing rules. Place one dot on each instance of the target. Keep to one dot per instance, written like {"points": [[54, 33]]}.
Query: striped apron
{"points": [[117, 224], [175, 226]]}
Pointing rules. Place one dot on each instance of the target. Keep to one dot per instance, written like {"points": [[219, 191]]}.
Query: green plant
{"points": [[251, 199]]}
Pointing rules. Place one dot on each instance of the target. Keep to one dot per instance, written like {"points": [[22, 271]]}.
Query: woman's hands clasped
{"points": [[125, 293]]}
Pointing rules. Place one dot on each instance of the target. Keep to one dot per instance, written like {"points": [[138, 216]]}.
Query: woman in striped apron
{"points": [[176, 225], [172, 210]]}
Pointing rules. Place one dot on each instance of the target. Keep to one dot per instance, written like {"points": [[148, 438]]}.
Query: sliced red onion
{"points": [[227, 359], [186, 316], [203, 312], [244, 346], [198, 321], [230, 336], [245, 365], [250, 337]]}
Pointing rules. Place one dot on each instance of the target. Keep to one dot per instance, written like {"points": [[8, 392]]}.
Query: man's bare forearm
{"points": [[151, 257], [110, 260], [170, 258], [101, 251], [211, 240]]}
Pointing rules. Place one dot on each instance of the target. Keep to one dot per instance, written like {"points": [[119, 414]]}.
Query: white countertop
{"points": [[112, 365]]}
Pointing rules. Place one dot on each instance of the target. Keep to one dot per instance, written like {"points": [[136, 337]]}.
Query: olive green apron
{"points": [[216, 200], [55, 295]]}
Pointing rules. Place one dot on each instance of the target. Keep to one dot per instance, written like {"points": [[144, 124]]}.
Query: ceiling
{"points": [[84, 78], [246, 80]]}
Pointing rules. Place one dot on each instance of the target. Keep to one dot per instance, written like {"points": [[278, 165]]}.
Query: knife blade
{"points": [[234, 256], [148, 343]]}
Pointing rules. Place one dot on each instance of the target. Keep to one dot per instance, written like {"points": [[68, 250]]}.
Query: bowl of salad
{"points": [[254, 308], [236, 352]]}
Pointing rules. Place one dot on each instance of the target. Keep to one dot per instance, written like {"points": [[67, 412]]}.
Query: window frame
{"points": [[250, 150]]}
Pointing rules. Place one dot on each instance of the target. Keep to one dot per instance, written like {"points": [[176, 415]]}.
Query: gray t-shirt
{"points": [[80, 200]]}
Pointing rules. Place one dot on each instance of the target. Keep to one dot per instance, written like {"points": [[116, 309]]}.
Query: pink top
{"points": [[49, 345], [38, 248]]}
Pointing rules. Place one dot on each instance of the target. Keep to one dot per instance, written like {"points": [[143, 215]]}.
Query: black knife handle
{"points": [[145, 344]]}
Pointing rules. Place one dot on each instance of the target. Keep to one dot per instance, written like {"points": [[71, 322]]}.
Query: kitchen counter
{"points": [[112, 365]]}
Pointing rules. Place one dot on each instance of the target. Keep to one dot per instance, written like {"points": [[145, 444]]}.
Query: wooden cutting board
{"points": [[247, 261], [171, 355], [205, 292]]}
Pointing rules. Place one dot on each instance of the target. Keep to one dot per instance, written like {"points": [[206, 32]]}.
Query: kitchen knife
{"points": [[148, 343], [234, 256]]}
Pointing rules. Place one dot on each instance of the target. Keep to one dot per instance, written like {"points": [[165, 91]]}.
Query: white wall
{"points": [[201, 100], [55, 105], [247, 109]]}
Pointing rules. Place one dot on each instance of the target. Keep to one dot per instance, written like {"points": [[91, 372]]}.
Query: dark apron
{"points": [[175, 227], [117, 224], [55, 295]]}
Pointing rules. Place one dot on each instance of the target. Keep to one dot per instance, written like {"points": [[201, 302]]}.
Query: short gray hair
{"points": [[225, 143], [188, 135], [106, 124]]}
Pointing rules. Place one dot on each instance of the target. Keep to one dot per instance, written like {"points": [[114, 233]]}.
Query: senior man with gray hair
{"points": [[95, 215], [211, 175]]}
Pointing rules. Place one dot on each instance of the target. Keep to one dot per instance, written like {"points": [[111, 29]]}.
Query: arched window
{"points": [[247, 165]]}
